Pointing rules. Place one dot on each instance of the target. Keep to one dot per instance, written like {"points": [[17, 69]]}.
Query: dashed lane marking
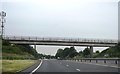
{"points": [[67, 65], [78, 69]]}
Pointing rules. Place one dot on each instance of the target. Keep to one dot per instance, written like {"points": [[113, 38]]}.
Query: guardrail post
{"points": [[81, 60], [96, 60], [104, 61], [116, 62], [90, 60]]}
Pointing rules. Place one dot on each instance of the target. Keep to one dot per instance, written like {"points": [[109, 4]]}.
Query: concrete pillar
{"points": [[35, 47], [91, 51]]}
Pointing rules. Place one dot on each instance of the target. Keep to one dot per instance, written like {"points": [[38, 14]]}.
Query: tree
{"points": [[72, 52], [97, 51], [40, 56], [59, 53], [5, 42], [86, 52], [80, 53], [66, 52]]}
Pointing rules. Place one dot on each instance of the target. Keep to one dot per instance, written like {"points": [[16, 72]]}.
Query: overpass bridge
{"points": [[61, 41]]}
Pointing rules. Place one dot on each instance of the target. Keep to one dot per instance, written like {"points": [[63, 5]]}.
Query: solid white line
{"points": [[37, 67], [78, 69]]}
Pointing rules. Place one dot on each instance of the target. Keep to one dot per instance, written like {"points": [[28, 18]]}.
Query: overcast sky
{"points": [[62, 18]]}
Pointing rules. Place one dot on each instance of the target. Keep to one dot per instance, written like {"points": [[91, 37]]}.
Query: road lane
{"points": [[84, 67], [54, 66], [70, 66]]}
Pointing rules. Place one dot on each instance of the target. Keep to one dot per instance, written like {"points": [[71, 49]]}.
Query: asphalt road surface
{"points": [[67, 66]]}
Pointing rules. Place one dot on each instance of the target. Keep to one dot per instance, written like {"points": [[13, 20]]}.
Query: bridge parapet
{"points": [[84, 40]]}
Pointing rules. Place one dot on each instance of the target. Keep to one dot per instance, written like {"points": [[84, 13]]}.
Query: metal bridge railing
{"points": [[60, 39]]}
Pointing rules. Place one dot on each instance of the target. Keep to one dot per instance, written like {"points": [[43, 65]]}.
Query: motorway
{"points": [[67, 66]]}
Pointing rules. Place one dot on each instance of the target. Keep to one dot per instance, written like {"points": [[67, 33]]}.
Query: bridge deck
{"points": [[61, 41]]}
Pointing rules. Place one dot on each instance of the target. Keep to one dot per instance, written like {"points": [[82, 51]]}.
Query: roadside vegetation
{"points": [[68, 53], [110, 52], [71, 53], [17, 57], [16, 65], [12, 51]]}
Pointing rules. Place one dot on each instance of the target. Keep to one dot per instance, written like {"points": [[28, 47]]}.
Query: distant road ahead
{"points": [[70, 66]]}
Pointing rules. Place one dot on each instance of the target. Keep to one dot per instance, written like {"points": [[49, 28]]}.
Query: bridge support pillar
{"points": [[91, 51], [35, 47]]}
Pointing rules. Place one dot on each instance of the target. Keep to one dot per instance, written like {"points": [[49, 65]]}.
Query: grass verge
{"points": [[16, 65], [0, 66]]}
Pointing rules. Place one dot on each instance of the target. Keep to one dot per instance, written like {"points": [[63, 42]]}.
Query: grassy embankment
{"points": [[16, 65], [0, 66], [17, 57]]}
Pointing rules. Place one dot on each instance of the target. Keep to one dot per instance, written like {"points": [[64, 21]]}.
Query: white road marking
{"points": [[67, 65], [37, 67], [78, 69]]}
